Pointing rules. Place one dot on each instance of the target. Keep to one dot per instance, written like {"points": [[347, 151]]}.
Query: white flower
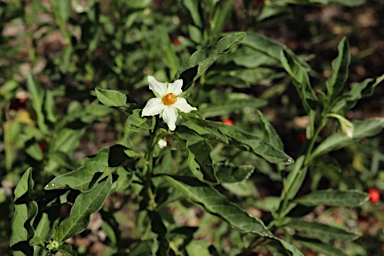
{"points": [[167, 101]]}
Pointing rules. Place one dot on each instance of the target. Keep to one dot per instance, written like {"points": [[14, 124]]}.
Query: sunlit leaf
{"points": [[111, 98]]}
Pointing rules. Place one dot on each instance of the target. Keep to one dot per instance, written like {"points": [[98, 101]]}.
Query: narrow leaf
{"points": [[85, 204], [322, 231], [318, 246], [340, 67], [300, 79], [362, 129], [217, 204], [270, 134], [228, 106], [350, 198]]}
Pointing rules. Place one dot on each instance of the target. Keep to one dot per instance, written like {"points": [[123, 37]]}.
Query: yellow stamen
{"points": [[169, 99]]}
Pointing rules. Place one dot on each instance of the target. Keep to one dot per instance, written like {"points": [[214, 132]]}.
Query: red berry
{"points": [[302, 137], [374, 195], [42, 147], [176, 41], [227, 121]]}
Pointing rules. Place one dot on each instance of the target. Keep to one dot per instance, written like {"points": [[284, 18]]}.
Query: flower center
{"points": [[169, 99]]}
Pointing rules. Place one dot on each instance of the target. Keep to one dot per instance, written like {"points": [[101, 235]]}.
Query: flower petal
{"points": [[170, 116], [175, 87], [160, 89], [182, 105], [153, 107]]}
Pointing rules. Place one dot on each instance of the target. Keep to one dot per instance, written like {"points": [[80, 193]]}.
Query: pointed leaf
{"points": [[107, 159], [238, 137], [24, 213], [37, 95], [206, 57], [231, 174], [362, 129], [358, 91], [350, 198], [228, 106], [217, 204], [322, 231], [270, 134], [300, 79], [318, 246], [135, 121], [340, 67], [199, 158], [85, 204], [111, 98], [159, 228]]}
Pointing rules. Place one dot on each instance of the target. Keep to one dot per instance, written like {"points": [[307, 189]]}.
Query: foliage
{"points": [[194, 190]]}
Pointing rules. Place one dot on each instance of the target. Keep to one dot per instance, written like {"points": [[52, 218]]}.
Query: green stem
{"points": [[307, 159]]}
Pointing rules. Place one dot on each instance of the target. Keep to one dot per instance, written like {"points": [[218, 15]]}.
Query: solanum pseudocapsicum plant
{"points": [[159, 175]]}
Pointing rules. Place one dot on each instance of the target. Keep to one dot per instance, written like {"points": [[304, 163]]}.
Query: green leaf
{"points": [[85, 204], [199, 158], [37, 100], [24, 213], [43, 231], [66, 250], [206, 57], [239, 138], [300, 79], [50, 105], [340, 65], [270, 134], [106, 161], [350, 198], [269, 47], [193, 9], [358, 91], [231, 174], [295, 179], [217, 204], [205, 129], [159, 228], [64, 8], [253, 143], [135, 121], [222, 16], [111, 98], [318, 246], [328, 2], [322, 231], [195, 34], [228, 106], [362, 129]]}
